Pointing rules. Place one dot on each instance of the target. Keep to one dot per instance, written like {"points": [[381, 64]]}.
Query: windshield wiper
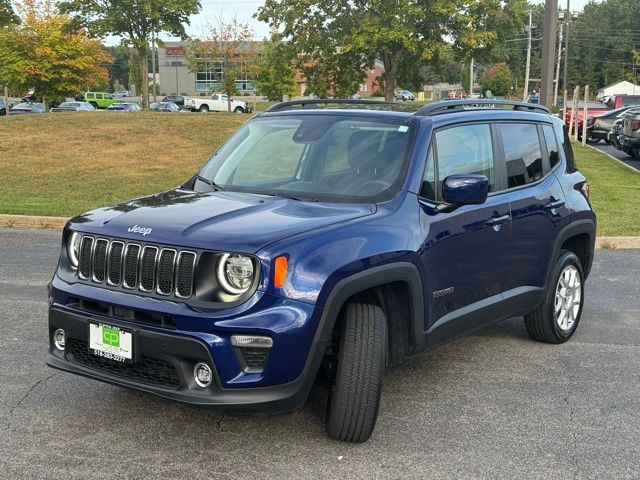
{"points": [[299, 198], [211, 183]]}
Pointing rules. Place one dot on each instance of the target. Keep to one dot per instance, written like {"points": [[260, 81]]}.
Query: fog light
{"points": [[202, 374], [58, 339]]}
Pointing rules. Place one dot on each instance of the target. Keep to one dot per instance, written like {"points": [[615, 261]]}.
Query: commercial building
{"points": [[176, 78]]}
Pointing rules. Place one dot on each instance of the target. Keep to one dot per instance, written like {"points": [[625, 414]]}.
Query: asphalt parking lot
{"points": [[492, 405], [619, 154]]}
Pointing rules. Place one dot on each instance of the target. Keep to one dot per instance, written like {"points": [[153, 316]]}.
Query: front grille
{"points": [[151, 371], [148, 268]]}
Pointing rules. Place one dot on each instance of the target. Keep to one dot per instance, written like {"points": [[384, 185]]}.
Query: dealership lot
{"points": [[491, 405]]}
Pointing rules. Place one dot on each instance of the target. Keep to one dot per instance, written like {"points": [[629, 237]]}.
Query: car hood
{"points": [[228, 221]]}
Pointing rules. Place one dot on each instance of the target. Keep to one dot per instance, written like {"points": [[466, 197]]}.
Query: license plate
{"points": [[110, 342]]}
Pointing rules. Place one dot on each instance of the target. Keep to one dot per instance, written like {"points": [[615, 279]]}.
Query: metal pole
{"points": [[567, 19], [548, 51], [6, 99], [153, 62], [557, 82], [526, 75], [471, 79]]}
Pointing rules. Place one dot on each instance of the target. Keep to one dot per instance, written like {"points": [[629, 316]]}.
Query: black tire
{"points": [[95, 105], [239, 110], [627, 150], [541, 323], [636, 153], [355, 397], [204, 108]]}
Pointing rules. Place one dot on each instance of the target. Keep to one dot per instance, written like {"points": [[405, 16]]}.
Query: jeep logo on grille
{"points": [[143, 230]]}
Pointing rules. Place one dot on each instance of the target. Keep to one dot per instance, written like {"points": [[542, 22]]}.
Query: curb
{"points": [[57, 223], [614, 158], [28, 221]]}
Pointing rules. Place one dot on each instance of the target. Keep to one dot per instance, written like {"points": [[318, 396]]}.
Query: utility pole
{"points": [[567, 18], [548, 51], [153, 62], [526, 75], [471, 79], [6, 100], [557, 82]]}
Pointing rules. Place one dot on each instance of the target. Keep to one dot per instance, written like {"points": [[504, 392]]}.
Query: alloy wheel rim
{"points": [[568, 298]]}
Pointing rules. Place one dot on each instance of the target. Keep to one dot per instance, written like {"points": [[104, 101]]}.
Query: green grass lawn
{"points": [[615, 192], [67, 163]]}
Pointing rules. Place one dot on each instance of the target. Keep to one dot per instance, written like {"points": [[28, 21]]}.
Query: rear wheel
{"points": [[557, 318], [204, 108], [95, 105], [628, 151], [238, 110], [636, 153], [355, 397]]}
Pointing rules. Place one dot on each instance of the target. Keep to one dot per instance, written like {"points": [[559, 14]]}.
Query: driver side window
{"points": [[465, 150]]}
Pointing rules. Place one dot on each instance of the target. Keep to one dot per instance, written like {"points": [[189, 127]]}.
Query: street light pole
{"points": [[548, 51], [526, 74]]}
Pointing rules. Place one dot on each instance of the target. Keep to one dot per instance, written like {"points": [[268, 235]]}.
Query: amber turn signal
{"points": [[280, 271]]}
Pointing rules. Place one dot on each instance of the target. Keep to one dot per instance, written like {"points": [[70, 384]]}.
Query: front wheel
{"points": [[355, 397], [556, 320]]}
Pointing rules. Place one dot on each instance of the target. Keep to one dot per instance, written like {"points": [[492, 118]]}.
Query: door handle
{"points": [[554, 204], [493, 221]]}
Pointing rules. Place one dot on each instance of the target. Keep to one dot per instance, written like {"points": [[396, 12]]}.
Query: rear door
{"points": [[538, 211], [465, 251]]}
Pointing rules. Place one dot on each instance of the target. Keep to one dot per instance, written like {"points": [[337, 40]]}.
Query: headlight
{"points": [[235, 273], [73, 249]]}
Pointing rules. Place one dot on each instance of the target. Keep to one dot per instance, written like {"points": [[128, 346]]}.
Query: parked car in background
{"points": [[73, 107], [121, 94], [3, 107], [615, 133], [98, 99], [630, 141], [618, 101], [177, 99], [164, 107], [217, 103], [25, 107], [404, 96], [124, 107], [593, 109], [599, 125]]}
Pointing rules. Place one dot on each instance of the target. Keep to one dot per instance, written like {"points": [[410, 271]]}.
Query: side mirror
{"points": [[460, 190]]}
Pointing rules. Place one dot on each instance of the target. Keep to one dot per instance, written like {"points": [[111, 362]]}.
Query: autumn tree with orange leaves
{"points": [[46, 53]]}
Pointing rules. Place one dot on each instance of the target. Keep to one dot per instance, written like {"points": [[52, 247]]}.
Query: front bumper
{"points": [[164, 358], [164, 367]]}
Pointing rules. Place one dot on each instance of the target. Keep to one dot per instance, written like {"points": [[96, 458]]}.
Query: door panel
{"points": [[466, 259]]}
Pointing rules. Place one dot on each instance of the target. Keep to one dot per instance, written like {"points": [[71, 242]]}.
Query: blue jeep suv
{"points": [[323, 242]]}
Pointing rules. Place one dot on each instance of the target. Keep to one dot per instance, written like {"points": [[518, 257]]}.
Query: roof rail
{"points": [[317, 102], [449, 106]]}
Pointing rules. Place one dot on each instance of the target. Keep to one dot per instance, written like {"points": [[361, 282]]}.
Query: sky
{"points": [[244, 10]]}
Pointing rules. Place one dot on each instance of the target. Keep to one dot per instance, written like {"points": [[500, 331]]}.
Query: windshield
{"points": [[325, 157]]}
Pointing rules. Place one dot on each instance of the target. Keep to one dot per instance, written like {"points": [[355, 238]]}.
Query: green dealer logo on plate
{"points": [[110, 336]]}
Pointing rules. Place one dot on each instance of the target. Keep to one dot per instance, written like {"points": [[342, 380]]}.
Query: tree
{"points": [[135, 20], [277, 75], [7, 15], [47, 54], [349, 35], [497, 78], [228, 52]]}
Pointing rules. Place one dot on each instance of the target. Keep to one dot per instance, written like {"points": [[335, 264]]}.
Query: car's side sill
{"points": [[511, 303]]}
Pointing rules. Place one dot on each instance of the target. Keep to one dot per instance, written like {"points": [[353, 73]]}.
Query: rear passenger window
{"points": [[552, 146], [522, 153], [465, 150]]}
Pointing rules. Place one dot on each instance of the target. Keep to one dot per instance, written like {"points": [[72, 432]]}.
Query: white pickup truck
{"points": [[217, 103]]}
